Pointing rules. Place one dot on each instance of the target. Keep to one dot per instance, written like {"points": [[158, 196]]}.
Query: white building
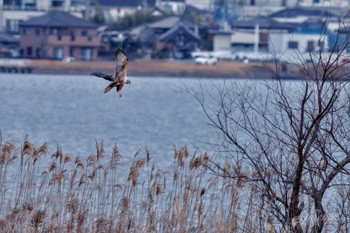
{"points": [[222, 42], [280, 43], [201, 4], [176, 7], [13, 13]]}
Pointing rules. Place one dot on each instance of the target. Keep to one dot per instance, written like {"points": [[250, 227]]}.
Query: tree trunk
{"points": [[320, 214]]}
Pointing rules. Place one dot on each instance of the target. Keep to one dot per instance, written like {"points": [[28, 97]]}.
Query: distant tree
{"points": [[291, 139], [134, 47], [207, 39]]}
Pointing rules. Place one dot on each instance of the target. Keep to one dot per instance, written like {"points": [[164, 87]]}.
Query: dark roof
{"points": [[303, 11], [58, 19], [263, 22], [176, 30], [127, 3]]}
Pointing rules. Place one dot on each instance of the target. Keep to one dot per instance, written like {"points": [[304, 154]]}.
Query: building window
{"points": [[293, 44], [85, 53], [310, 46], [59, 37], [84, 33], [38, 52], [29, 51], [57, 3], [71, 51], [53, 31], [30, 6], [72, 36], [58, 53], [37, 31], [23, 31]]}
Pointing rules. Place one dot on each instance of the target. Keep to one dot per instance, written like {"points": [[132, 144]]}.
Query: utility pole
{"points": [[256, 39]]}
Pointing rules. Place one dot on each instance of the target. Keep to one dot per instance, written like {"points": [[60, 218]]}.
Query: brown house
{"points": [[57, 35]]}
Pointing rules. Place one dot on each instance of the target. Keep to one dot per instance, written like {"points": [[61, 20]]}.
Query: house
{"points": [[180, 41], [167, 37], [59, 34], [245, 33], [266, 35], [113, 10], [148, 33], [298, 15], [309, 37]]}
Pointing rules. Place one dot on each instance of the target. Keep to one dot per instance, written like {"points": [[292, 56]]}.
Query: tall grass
{"points": [[86, 194], [57, 192]]}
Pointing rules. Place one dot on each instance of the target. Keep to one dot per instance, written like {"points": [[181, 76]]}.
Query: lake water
{"points": [[73, 111]]}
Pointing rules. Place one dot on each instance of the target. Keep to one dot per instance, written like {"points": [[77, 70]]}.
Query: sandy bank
{"points": [[223, 69]]}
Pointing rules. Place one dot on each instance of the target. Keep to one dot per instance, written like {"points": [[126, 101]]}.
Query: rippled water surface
{"points": [[73, 111]]}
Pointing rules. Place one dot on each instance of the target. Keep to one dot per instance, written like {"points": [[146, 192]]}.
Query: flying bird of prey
{"points": [[119, 79]]}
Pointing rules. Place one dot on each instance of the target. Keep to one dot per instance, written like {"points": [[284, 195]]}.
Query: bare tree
{"points": [[292, 138]]}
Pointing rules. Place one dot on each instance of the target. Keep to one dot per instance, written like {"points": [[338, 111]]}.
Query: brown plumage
{"points": [[120, 77]]}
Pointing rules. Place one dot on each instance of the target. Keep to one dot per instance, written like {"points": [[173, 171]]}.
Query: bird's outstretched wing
{"points": [[102, 75], [121, 61]]}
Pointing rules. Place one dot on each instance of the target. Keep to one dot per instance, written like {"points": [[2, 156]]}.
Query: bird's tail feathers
{"points": [[109, 87]]}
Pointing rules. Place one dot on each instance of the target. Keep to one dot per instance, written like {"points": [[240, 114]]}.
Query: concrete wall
{"points": [[222, 42]]}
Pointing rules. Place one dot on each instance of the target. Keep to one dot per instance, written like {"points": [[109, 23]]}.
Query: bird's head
{"points": [[128, 82]]}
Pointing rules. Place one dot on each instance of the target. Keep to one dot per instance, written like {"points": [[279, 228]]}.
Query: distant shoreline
{"points": [[164, 68]]}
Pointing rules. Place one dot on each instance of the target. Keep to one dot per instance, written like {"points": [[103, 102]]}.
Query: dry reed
{"points": [[84, 194]]}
